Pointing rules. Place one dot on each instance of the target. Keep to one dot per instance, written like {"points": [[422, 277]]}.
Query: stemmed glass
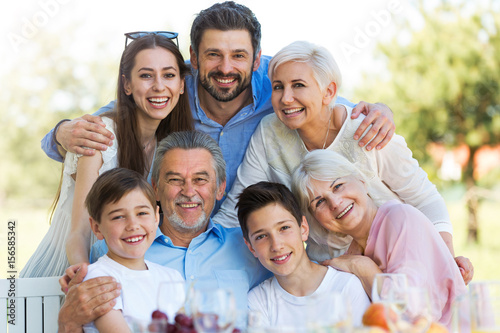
{"points": [[172, 296], [408, 310], [384, 284], [213, 310]]}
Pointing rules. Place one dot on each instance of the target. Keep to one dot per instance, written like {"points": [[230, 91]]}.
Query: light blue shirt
{"points": [[218, 258], [233, 138]]}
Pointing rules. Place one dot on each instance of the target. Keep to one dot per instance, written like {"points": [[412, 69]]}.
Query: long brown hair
{"points": [[124, 114]]}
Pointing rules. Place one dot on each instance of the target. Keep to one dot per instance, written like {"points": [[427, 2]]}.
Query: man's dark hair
{"points": [[226, 16], [259, 195]]}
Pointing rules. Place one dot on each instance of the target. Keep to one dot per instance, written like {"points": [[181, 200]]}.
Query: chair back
{"points": [[37, 304]]}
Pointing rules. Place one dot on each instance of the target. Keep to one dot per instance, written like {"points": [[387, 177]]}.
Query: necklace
{"points": [[327, 129], [147, 144]]}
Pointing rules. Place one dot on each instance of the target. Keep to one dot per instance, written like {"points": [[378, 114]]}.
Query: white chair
{"points": [[37, 304]]}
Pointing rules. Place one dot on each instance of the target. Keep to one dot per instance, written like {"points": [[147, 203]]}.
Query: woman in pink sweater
{"points": [[389, 237]]}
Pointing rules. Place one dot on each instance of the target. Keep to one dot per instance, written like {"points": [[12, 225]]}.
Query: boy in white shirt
{"points": [[123, 211], [301, 292]]}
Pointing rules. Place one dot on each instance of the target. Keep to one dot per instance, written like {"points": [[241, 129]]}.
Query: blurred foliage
{"points": [[44, 85], [443, 84], [444, 78]]}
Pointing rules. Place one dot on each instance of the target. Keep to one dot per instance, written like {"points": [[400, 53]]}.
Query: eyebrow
{"points": [[319, 196], [261, 230], [199, 173], [232, 51], [120, 209], [151, 70]]}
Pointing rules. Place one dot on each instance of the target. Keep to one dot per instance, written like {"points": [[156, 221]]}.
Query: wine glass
{"points": [[329, 311], [485, 306], [172, 296], [213, 310], [408, 310], [384, 284]]}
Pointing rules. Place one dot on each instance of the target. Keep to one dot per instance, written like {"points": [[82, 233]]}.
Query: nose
{"points": [[226, 65], [334, 201], [132, 223], [188, 189], [276, 243], [287, 97], [158, 84]]}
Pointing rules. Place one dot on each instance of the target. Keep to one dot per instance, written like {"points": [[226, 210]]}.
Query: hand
{"points": [[381, 118], [86, 301], [80, 134], [466, 268], [69, 275]]}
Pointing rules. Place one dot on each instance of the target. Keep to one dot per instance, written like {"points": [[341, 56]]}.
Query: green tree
{"points": [[443, 84]]}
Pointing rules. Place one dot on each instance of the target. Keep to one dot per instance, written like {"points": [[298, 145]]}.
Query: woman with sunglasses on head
{"points": [[305, 81], [151, 103]]}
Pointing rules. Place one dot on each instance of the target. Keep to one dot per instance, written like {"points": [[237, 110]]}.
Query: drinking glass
{"points": [[384, 284], [172, 296], [485, 306], [213, 310], [408, 310], [329, 311]]}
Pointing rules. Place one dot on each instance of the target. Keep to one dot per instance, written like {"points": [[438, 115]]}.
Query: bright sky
{"points": [[349, 29]]}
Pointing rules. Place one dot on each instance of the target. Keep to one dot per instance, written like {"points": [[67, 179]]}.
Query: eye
{"points": [[277, 87], [175, 181], [337, 186], [169, 75], [285, 227], [145, 75], [259, 237], [240, 56], [117, 217], [200, 181], [298, 85], [213, 54], [143, 213], [320, 202]]}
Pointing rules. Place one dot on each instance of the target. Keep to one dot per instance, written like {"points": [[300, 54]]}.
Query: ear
{"points": [[256, 62], [250, 247], [182, 87], [330, 93], [220, 190], [193, 59], [304, 229], [95, 229], [126, 86], [157, 217]]}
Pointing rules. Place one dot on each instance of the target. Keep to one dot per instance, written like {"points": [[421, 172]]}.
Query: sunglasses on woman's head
{"points": [[139, 34]]}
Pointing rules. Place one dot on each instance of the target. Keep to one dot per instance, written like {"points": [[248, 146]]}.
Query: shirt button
{"points": [[221, 133], [192, 277], [190, 251]]}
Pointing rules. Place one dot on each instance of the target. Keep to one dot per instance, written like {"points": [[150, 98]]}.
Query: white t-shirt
{"points": [[279, 308], [139, 297]]}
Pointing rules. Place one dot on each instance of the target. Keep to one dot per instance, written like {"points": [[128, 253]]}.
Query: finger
{"points": [[79, 276], [379, 137], [94, 119], [93, 132], [386, 140], [83, 151], [368, 136], [64, 282], [358, 109]]}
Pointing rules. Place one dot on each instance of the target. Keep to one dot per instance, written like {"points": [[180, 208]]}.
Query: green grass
{"points": [[32, 225]]}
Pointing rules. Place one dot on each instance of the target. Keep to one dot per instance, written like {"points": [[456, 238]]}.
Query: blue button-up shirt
{"points": [[217, 258]]}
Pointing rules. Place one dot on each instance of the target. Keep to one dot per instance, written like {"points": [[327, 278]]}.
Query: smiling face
{"points": [[276, 239], [297, 98], [343, 206], [129, 227], [187, 189], [155, 84], [225, 63]]}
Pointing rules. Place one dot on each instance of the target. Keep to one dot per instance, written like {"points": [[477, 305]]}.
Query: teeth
{"points": [[134, 239], [158, 101], [290, 111], [345, 211], [281, 258], [225, 80], [189, 205]]}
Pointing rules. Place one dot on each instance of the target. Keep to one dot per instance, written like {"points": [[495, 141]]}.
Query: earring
{"points": [[182, 91]]}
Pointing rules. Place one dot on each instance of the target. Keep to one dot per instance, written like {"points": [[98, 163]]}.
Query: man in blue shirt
{"points": [[229, 92], [188, 176]]}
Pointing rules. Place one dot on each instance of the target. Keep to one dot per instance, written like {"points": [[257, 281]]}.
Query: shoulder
{"points": [[261, 291], [396, 215]]}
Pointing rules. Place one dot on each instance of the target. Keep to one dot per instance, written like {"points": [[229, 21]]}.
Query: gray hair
{"points": [[188, 140], [324, 67], [322, 165]]}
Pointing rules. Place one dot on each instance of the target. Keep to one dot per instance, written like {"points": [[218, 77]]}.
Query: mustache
{"points": [[194, 199], [220, 74]]}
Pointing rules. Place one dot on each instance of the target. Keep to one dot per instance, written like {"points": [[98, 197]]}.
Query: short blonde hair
{"points": [[324, 67]]}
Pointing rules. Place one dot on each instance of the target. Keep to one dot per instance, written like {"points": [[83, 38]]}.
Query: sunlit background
{"points": [[59, 59]]}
